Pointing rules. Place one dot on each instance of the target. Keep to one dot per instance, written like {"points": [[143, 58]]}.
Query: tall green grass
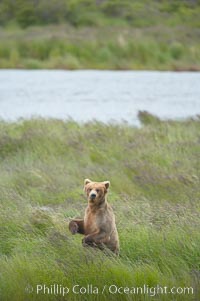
{"points": [[63, 47], [154, 172]]}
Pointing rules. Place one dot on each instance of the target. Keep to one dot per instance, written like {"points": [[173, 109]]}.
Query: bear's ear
{"points": [[107, 184], [87, 181]]}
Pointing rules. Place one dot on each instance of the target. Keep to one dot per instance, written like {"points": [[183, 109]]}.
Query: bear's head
{"points": [[96, 191]]}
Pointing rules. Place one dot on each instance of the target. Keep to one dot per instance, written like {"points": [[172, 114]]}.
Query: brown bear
{"points": [[98, 224]]}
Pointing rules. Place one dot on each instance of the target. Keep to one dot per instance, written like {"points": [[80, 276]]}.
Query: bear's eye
{"points": [[97, 190], [90, 189]]}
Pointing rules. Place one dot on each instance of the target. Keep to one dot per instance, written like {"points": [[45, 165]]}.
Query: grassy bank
{"points": [[101, 34], [107, 47], [154, 173]]}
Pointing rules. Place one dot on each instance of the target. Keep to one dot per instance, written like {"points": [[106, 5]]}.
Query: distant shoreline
{"points": [[64, 47]]}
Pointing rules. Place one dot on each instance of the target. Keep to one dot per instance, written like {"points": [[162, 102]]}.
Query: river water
{"points": [[102, 95]]}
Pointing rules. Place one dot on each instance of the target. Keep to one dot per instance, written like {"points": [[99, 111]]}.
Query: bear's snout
{"points": [[93, 195]]}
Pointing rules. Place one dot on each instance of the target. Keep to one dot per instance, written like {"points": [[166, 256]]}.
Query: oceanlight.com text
{"points": [[111, 289]]}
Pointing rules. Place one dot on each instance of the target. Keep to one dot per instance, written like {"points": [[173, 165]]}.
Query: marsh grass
{"points": [[154, 172], [64, 47]]}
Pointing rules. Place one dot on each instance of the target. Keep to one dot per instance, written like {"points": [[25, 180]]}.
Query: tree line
{"points": [[98, 12]]}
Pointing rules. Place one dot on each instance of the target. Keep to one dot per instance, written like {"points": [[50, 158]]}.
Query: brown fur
{"points": [[98, 226]]}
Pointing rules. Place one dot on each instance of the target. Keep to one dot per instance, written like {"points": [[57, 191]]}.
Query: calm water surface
{"points": [[102, 95]]}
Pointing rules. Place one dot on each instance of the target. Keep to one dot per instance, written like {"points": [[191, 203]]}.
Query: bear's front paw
{"points": [[86, 241], [73, 227]]}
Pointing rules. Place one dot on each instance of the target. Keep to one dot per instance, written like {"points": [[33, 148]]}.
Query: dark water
{"points": [[101, 95]]}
